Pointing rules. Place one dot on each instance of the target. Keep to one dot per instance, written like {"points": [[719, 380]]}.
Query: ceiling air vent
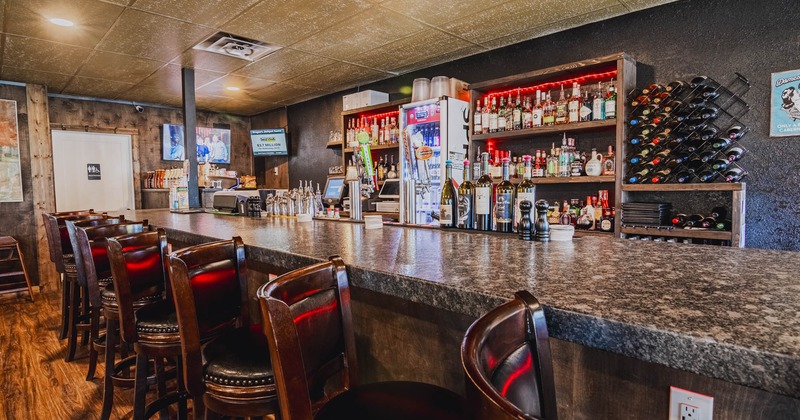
{"points": [[236, 46]]}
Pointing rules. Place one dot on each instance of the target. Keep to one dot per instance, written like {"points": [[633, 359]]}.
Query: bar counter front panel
{"points": [[727, 315]]}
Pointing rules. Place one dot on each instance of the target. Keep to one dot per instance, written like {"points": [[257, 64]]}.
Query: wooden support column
{"points": [[189, 133], [44, 195]]}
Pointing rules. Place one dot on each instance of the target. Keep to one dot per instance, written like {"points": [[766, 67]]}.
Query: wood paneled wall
{"points": [[265, 167]]}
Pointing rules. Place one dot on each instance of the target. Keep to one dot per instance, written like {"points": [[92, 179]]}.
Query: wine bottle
{"points": [[720, 164], [707, 175], [679, 220], [466, 201], [504, 202], [736, 132], [652, 89], [675, 87], [448, 204], [641, 174], [694, 220], [734, 153], [722, 142], [708, 222], [483, 196], [724, 225], [682, 177], [660, 176], [526, 191], [734, 174], [719, 212]]}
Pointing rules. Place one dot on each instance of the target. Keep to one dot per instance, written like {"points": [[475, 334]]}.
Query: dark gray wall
{"points": [[17, 219], [675, 41]]}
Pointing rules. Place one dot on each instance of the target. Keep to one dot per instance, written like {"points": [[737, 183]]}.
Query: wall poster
{"points": [[10, 172], [785, 104]]}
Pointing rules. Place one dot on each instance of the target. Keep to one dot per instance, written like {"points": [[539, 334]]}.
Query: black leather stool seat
{"points": [[109, 298], [159, 318], [238, 358], [395, 401]]}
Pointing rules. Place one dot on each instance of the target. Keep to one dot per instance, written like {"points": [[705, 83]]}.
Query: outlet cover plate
{"points": [[688, 405]]}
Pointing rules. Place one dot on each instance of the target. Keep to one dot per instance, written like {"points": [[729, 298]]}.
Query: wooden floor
{"points": [[36, 381]]}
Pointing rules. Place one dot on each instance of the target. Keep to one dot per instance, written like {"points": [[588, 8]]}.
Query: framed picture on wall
{"points": [[213, 144], [785, 104], [10, 172]]}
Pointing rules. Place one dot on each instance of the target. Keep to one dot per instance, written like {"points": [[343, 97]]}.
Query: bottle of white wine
{"points": [[483, 196], [466, 201], [526, 191], [504, 202], [448, 205]]}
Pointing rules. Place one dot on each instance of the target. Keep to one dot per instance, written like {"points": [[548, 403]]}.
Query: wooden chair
{"points": [[506, 358], [12, 267], [308, 324], [91, 258], [138, 268], [61, 255], [209, 286]]}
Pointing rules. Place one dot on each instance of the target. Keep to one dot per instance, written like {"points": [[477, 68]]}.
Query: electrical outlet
{"points": [[688, 405]]}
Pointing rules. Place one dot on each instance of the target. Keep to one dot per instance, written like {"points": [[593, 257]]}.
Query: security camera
{"points": [[138, 108]]}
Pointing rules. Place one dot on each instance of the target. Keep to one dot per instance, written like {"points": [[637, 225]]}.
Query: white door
{"points": [[92, 170]]}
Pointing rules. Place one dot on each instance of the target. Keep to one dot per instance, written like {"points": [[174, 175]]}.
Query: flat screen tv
{"points": [[269, 142], [213, 144]]}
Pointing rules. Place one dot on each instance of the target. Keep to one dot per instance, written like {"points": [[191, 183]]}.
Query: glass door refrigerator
{"points": [[432, 132]]}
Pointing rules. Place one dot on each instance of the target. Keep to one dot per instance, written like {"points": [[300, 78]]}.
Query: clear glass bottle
{"points": [[611, 101], [598, 104], [448, 203], [502, 114], [562, 111], [537, 111], [477, 128]]}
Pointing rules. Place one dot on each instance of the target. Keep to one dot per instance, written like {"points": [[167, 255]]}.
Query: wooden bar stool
{"points": [[506, 358], [12, 268], [308, 323], [91, 258], [209, 287]]}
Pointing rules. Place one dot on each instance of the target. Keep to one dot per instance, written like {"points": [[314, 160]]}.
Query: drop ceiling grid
{"points": [[132, 48]]}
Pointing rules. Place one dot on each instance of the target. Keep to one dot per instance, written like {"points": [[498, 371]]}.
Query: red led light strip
{"points": [[596, 77], [385, 114]]}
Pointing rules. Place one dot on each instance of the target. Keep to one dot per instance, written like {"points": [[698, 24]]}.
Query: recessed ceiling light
{"points": [[62, 22], [233, 88]]}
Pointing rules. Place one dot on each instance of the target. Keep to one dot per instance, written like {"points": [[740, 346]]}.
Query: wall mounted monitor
{"points": [[269, 142], [213, 144]]}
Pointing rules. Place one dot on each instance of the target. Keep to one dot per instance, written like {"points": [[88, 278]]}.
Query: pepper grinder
{"points": [[525, 224], [542, 226]]}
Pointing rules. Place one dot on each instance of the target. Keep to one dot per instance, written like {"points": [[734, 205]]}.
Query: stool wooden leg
{"points": [[65, 300], [94, 333], [161, 386], [108, 380], [140, 387], [85, 311], [74, 314]]}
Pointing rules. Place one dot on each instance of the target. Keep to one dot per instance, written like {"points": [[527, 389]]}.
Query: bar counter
{"points": [[724, 313]]}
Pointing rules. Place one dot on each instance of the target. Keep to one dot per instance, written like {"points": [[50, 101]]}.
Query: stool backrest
{"points": [[51, 240], [138, 269], [209, 289], [506, 359], [308, 324], [91, 252], [58, 236]]}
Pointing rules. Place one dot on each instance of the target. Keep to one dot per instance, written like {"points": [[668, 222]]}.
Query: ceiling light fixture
{"points": [[233, 88], [61, 22]]}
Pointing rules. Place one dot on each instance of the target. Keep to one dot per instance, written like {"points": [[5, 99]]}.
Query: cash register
{"points": [[389, 196], [334, 191]]}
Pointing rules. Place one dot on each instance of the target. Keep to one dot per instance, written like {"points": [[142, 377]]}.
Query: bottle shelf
{"points": [[540, 131], [565, 180], [377, 147], [726, 186], [334, 144], [720, 235]]}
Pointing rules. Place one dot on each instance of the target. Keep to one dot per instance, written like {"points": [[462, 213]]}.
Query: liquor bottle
{"points": [[536, 111], [493, 116], [516, 114], [375, 128], [477, 128], [564, 218], [552, 162], [539, 165], [586, 220], [734, 174], [509, 114], [586, 106], [574, 210], [607, 222], [598, 212], [485, 112], [448, 204], [574, 105], [598, 105], [527, 114], [466, 201], [476, 166], [594, 167], [563, 161], [380, 169], [502, 113], [396, 131], [526, 190], [504, 202], [575, 164], [483, 196], [610, 102], [734, 153], [525, 170], [562, 112], [609, 167], [549, 113], [382, 132]]}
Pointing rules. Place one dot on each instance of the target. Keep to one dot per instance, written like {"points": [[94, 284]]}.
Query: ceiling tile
{"points": [[157, 37], [210, 101], [245, 106], [285, 22], [331, 76], [443, 58], [122, 68], [118, 2], [247, 86], [55, 82], [284, 64], [152, 95], [520, 15], [361, 33], [169, 79], [91, 17], [280, 92], [553, 27], [34, 54], [96, 88], [636, 5], [205, 60], [203, 12], [445, 11], [424, 45]]}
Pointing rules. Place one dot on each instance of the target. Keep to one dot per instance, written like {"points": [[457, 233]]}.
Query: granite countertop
{"points": [[726, 313]]}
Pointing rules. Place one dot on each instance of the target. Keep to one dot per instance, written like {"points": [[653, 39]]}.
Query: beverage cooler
{"points": [[432, 132]]}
